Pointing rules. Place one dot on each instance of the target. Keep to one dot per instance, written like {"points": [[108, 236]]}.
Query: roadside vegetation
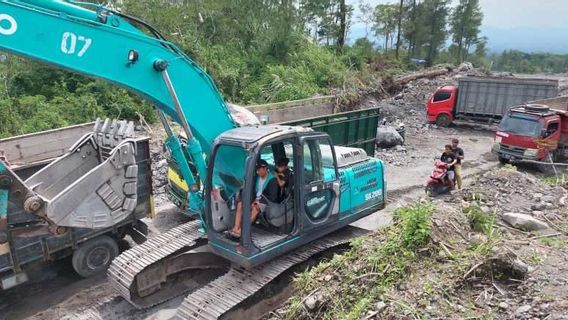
{"points": [[367, 271], [457, 257], [256, 51], [398, 272], [523, 62]]}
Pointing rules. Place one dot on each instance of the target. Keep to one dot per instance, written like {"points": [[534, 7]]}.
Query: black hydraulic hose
{"points": [[153, 30], [150, 28]]}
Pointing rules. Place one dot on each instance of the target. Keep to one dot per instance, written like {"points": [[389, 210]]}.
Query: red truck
{"points": [[535, 131], [485, 98]]}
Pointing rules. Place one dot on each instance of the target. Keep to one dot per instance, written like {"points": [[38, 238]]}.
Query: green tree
{"points": [[432, 17], [399, 27], [386, 18], [255, 50], [327, 20], [522, 62], [366, 16], [410, 28], [465, 22]]}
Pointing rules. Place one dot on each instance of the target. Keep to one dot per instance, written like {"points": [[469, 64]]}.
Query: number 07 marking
{"points": [[69, 42]]}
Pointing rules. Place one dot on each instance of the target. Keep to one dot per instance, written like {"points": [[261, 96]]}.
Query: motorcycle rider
{"points": [[450, 159]]}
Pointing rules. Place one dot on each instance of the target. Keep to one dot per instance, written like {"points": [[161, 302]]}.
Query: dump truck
{"points": [[333, 186], [67, 173], [485, 99], [534, 132]]}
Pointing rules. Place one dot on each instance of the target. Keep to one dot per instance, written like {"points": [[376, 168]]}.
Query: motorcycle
{"points": [[438, 182]]}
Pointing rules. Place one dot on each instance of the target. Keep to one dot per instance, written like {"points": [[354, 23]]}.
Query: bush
{"points": [[416, 224], [368, 269], [480, 221], [313, 70]]}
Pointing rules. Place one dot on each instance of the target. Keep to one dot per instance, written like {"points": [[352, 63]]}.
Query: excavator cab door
{"points": [[319, 191]]}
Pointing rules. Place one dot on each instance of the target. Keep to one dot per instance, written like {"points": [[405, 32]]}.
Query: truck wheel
{"points": [[443, 120], [94, 256]]}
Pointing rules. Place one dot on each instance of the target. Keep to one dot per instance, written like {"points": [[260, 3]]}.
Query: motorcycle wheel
{"points": [[430, 190]]}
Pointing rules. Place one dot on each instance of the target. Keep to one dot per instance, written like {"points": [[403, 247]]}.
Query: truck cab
{"points": [[440, 106], [330, 188], [532, 132]]}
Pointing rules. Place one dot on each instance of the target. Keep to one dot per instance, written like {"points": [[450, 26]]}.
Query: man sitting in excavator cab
{"points": [[266, 187], [285, 178]]}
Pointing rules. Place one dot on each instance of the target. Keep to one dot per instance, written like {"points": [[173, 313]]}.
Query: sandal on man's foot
{"points": [[232, 236]]}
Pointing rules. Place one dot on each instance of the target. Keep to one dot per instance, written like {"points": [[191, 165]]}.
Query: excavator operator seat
{"points": [[279, 214]]}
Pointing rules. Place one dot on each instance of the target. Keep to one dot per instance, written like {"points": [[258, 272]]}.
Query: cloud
{"points": [[510, 13], [525, 13]]}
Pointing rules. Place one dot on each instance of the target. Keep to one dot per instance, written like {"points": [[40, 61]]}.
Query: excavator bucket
{"points": [[93, 185]]}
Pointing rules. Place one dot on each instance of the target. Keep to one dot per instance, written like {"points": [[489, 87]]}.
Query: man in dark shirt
{"points": [[284, 177], [265, 185], [458, 152], [450, 159]]}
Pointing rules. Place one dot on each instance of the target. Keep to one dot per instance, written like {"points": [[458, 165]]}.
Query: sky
{"points": [[527, 25], [507, 14]]}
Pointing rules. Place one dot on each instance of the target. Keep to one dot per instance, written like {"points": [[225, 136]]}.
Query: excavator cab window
{"points": [[227, 182], [309, 202]]}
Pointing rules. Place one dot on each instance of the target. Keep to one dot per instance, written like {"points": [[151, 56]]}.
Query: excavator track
{"points": [[228, 291], [214, 293], [125, 269]]}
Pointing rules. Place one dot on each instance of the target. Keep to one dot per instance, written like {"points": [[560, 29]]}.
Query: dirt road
{"points": [[407, 176]]}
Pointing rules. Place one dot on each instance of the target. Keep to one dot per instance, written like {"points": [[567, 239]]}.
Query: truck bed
{"points": [[356, 129], [558, 103], [30, 152], [29, 237], [492, 97]]}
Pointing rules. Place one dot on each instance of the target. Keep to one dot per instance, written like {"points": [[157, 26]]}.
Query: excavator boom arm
{"points": [[105, 45]]}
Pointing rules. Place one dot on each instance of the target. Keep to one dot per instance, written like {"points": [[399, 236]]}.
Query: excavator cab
{"points": [[308, 208]]}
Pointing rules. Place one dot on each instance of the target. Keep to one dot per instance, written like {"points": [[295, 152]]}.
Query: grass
{"points": [[553, 242], [373, 265], [479, 220], [555, 180], [535, 258]]}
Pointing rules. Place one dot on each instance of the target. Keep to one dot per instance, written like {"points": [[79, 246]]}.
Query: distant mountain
{"points": [[526, 39]]}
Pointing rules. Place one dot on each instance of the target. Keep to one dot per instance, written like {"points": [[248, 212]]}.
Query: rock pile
{"points": [[513, 194], [408, 105]]}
